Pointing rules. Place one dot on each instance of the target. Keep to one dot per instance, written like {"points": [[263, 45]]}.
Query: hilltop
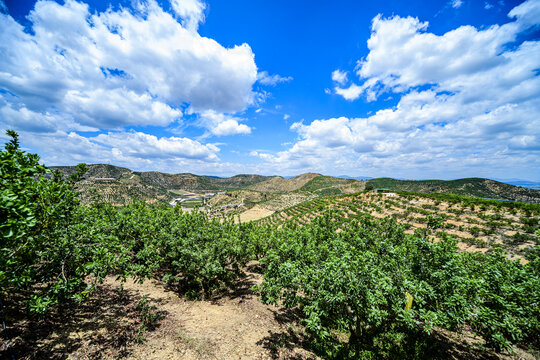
{"points": [[270, 192], [477, 187], [120, 185]]}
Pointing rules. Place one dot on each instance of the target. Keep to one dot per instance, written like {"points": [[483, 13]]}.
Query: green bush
{"points": [[46, 252], [352, 287]]}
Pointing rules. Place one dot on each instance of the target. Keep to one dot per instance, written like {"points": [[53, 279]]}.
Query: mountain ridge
{"points": [[161, 187]]}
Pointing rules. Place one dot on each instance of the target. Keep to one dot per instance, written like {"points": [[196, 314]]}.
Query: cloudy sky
{"points": [[407, 89]]}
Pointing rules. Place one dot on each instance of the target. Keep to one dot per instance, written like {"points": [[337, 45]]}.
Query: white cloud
{"points": [[421, 146], [140, 145], [117, 108], [266, 79], [21, 118], [286, 116], [78, 71], [488, 5], [190, 11], [402, 55], [456, 4], [353, 92], [74, 61], [220, 124], [339, 76], [477, 111], [230, 127], [527, 14], [135, 150]]}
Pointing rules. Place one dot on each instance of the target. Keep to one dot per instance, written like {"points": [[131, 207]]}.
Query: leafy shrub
{"points": [[46, 251], [351, 286]]}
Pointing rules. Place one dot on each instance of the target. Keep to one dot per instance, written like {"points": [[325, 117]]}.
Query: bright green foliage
{"points": [[39, 253], [353, 276], [191, 253], [352, 283], [506, 301]]}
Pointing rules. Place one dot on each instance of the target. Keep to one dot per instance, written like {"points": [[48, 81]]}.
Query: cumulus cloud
{"points": [[133, 149], [220, 124], [266, 79], [190, 11], [527, 14], [404, 55], [140, 145], [72, 70], [468, 103], [339, 76], [83, 64], [353, 92], [117, 107], [422, 148]]}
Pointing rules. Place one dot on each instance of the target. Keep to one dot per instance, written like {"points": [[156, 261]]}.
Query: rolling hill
{"points": [[477, 187], [156, 186]]}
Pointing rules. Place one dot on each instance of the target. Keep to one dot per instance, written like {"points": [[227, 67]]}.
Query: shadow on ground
{"points": [[104, 326], [292, 343]]}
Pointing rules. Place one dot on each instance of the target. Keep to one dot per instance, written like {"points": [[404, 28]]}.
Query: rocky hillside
{"points": [[184, 181], [278, 184], [96, 171], [196, 182], [328, 185], [477, 187], [157, 186], [151, 186]]}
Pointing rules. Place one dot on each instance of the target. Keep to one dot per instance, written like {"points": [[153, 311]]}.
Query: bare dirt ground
{"points": [[255, 213], [232, 325], [285, 201]]}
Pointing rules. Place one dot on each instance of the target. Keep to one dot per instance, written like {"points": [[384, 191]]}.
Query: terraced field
{"points": [[479, 225]]}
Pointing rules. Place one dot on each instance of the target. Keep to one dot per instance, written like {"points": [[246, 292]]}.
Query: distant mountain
{"points": [[477, 187], [153, 186], [328, 185], [278, 184], [360, 178], [523, 183], [196, 182]]}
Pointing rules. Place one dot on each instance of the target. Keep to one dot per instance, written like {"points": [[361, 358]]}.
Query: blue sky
{"points": [[415, 89]]}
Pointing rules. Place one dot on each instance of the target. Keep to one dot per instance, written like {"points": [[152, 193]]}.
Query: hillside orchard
{"points": [[363, 288]]}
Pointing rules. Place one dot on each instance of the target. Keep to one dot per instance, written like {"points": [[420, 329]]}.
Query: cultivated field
{"points": [[479, 225]]}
